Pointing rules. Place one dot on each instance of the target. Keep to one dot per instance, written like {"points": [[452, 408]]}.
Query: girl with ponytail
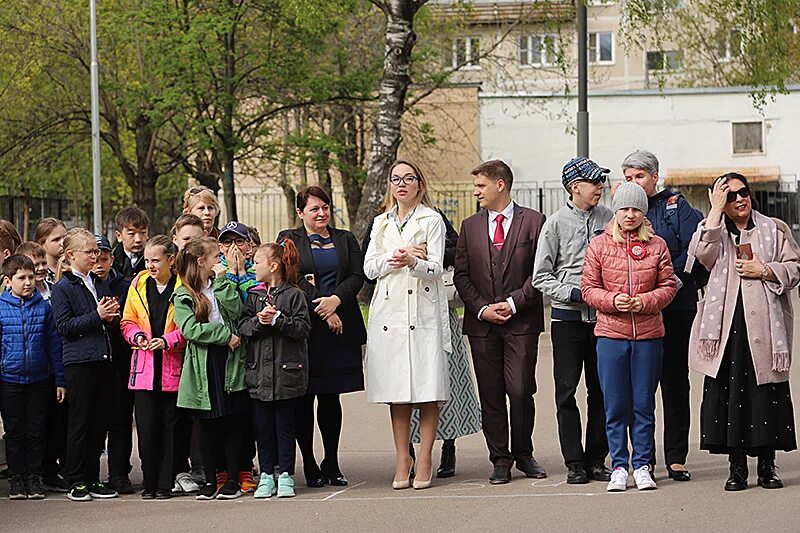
{"points": [[207, 310], [276, 323]]}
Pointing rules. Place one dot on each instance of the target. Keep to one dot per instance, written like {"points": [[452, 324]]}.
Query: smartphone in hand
{"points": [[744, 251]]}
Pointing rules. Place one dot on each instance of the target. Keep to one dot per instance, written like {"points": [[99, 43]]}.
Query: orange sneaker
{"points": [[247, 482], [222, 478]]}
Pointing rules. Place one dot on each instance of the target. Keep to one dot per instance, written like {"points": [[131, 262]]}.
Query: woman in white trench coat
{"points": [[408, 336]]}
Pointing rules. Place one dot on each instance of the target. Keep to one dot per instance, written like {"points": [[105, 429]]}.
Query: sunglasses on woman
{"points": [[744, 192]]}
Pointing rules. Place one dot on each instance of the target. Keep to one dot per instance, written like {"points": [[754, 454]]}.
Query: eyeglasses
{"points": [[94, 252], [744, 192], [238, 242], [408, 179]]}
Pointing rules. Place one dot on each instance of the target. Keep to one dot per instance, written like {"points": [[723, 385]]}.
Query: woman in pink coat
{"points": [[742, 334], [628, 279]]}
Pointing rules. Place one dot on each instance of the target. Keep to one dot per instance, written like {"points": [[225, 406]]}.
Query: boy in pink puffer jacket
{"points": [[628, 279]]}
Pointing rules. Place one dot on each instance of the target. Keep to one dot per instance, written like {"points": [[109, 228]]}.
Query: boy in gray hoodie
{"points": [[557, 273]]}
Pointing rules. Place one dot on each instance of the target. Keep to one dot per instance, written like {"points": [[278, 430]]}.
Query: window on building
{"points": [[465, 53], [665, 60], [538, 49], [748, 137], [601, 47], [730, 45]]}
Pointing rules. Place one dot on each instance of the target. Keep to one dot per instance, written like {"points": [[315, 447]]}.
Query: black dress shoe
{"points": [[314, 477], [447, 464], [501, 475], [531, 468], [577, 474], [767, 478], [332, 475], [163, 494], [678, 475], [148, 494], [599, 472]]}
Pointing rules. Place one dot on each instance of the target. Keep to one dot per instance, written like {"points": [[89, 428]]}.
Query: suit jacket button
{"points": [[410, 291], [411, 327]]}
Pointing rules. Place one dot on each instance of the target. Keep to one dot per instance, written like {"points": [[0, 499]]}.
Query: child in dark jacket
{"points": [[84, 310], [276, 323], [31, 345]]}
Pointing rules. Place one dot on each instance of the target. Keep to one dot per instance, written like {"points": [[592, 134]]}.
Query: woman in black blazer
{"points": [[331, 274]]}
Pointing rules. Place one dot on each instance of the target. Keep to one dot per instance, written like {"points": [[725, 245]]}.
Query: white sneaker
{"points": [[619, 480], [184, 484], [643, 479]]}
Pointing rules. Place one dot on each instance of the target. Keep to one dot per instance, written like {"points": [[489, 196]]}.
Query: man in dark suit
{"points": [[503, 316]]}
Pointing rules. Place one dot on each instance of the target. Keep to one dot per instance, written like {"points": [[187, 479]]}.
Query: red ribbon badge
{"points": [[637, 250]]}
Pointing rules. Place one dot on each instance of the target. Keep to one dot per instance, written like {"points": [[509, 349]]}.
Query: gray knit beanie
{"points": [[629, 194]]}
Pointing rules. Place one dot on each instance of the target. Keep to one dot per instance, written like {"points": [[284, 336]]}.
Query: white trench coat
{"points": [[408, 335]]}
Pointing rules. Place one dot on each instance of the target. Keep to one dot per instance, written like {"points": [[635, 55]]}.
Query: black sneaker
{"points": [[17, 491], [229, 491], [55, 483], [148, 494], [35, 488], [79, 493], [207, 492], [101, 491], [122, 485], [163, 494]]}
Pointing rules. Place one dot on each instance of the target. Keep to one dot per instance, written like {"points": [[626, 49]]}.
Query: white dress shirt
{"points": [[87, 281], [508, 213]]}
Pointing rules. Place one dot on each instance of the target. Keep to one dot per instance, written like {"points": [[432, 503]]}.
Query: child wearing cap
{"points": [[557, 271], [235, 246], [628, 279]]}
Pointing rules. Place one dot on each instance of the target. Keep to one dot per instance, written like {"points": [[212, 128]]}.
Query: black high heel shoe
{"points": [[333, 476], [679, 475]]}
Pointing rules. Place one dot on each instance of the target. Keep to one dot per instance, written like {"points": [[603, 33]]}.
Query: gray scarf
{"points": [[765, 241]]}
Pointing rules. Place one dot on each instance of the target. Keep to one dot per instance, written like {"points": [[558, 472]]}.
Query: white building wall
{"points": [[684, 128]]}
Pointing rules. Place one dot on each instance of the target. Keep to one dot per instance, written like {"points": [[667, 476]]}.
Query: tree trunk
{"points": [[228, 110], [143, 182], [386, 137], [344, 129]]}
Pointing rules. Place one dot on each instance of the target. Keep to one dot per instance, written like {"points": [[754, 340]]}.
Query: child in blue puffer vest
{"points": [[30, 346]]}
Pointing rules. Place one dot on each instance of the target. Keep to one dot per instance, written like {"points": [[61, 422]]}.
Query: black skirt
{"points": [[222, 403], [738, 413]]}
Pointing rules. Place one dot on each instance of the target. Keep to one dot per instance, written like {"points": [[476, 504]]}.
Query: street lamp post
{"points": [[96, 185], [583, 112]]}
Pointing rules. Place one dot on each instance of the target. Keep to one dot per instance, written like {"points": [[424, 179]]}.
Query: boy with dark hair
{"points": [[131, 234], [57, 411], [31, 345]]}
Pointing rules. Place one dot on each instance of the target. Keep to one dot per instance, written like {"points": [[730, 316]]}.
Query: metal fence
{"points": [[270, 211]]}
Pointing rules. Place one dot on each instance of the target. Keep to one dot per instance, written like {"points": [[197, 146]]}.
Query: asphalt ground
{"points": [[465, 502]]}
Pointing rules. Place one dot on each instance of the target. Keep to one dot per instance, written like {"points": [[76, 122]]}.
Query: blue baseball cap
{"points": [[237, 228], [583, 168], [102, 242]]}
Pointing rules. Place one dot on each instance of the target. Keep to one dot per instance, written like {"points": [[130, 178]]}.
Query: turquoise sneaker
{"points": [[285, 486], [266, 486]]}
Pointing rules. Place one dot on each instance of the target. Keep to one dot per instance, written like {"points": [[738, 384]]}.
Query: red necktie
{"points": [[499, 234]]}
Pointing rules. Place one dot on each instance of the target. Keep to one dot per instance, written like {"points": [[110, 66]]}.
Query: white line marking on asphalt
{"points": [[330, 496], [540, 483]]}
